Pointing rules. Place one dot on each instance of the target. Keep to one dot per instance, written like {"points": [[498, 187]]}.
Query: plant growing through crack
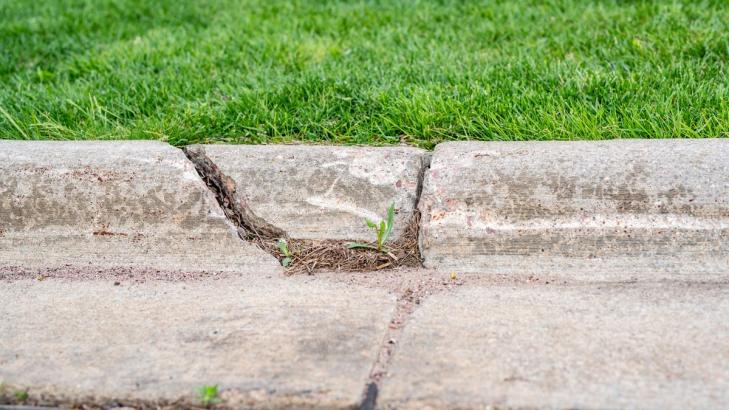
{"points": [[21, 395], [208, 395], [284, 248], [382, 230]]}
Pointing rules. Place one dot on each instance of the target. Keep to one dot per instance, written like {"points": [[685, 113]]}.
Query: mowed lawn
{"points": [[376, 72]]}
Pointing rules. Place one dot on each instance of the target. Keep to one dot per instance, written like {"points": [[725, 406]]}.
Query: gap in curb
{"points": [[308, 256]]}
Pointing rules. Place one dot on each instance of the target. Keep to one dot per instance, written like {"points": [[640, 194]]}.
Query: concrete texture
{"points": [[648, 346], [592, 210], [113, 204], [270, 342], [323, 192]]}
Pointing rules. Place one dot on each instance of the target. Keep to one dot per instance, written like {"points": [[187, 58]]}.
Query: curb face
{"points": [[102, 205], [322, 192], [588, 209]]}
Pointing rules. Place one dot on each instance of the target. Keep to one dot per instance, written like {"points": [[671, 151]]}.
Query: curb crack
{"points": [[306, 255], [250, 226]]}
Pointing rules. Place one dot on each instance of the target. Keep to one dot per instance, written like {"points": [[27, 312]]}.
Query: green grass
{"points": [[363, 72]]}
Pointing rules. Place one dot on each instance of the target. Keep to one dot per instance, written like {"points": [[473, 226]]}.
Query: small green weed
{"points": [[382, 230], [284, 248], [21, 395], [208, 395]]}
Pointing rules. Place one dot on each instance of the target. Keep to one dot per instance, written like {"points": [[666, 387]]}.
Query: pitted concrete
{"points": [[593, 210], [267, 341], [323, 192], [113, 204], [649, 346]]}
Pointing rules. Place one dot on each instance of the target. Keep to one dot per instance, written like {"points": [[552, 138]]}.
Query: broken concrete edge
{"points": [[145, 179], [227, 399], [308, 255]]}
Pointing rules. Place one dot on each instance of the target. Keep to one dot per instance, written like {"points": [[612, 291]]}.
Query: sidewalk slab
{"points": [[268, 342], [592, 210], [99, 205], [323, 192], [661, 346]]}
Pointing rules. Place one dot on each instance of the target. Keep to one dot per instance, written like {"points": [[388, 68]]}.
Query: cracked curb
{"points": [[250, 226], [326, 252], [322, 192], [488, 207]]}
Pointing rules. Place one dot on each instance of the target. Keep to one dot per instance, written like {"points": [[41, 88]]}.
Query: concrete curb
{"points": [[603, 210], [589, 210], [112, 205]]}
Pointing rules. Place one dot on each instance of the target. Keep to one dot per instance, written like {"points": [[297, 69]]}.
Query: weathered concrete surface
{"points": [[592, 210], [612, 346], [323, 192], [273, 342], [113, 204]]}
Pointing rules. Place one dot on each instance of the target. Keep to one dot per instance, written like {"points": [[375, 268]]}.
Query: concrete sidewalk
{"points": [[658, 346], [316, 341], [268, 341]]}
